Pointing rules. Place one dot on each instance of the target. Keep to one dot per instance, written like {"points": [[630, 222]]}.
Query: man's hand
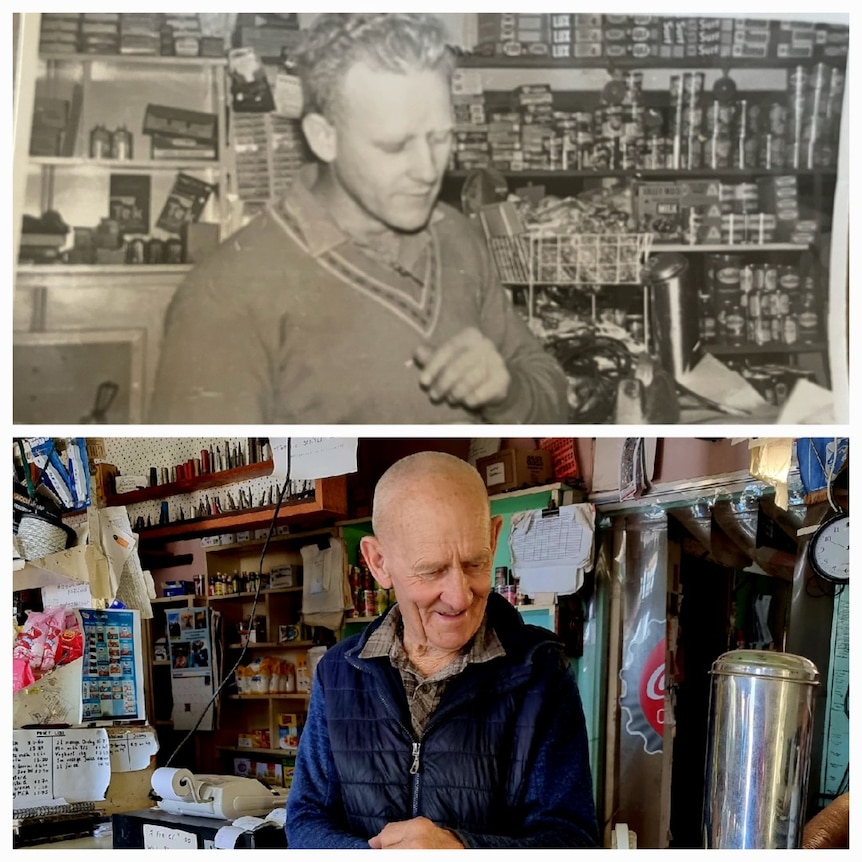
{"points": [[466, 370], [416, 834]]}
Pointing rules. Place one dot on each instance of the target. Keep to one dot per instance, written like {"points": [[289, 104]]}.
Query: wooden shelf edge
{"points": [[87, 163], [329, 504], [274, 645], [653, 173], [250, 595], [752, 349], [281, 752], [281, 695], [477, 61], [189, 486], [133, 59]]}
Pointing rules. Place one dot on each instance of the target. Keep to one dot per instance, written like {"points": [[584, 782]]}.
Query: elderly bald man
{"points": [[448, 722]]}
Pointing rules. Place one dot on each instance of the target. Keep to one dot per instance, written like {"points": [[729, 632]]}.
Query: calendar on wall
{"points": [[192, 675]]}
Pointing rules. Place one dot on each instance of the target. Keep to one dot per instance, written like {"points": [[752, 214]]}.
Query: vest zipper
{"points": [[414, 766], [414, 771]]}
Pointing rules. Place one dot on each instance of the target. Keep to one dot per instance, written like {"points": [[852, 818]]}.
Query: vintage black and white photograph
{"points": [[462, 218]]}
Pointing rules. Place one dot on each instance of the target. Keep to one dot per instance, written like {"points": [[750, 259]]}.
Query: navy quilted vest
{"points": [[467, 770]]}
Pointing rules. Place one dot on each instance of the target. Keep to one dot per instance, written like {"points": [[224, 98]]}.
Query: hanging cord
{"points": [[831, 476], [244, 649]]}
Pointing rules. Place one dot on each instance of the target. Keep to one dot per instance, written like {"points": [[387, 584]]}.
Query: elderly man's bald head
{"points": [[435, 476]]}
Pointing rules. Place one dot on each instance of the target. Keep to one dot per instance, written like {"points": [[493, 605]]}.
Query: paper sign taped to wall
{"points": [[131, 751], [50, 765], [66, 596], [550, 553], [313, 457]]}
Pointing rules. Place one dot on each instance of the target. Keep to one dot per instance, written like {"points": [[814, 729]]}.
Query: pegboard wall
{"points": [[134, 456]]}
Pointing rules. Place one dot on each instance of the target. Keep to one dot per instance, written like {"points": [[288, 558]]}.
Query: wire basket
{"points": [[601, 258]]}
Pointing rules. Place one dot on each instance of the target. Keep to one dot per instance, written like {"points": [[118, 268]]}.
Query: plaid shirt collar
{"points": [[322, 234], [387, 640]]}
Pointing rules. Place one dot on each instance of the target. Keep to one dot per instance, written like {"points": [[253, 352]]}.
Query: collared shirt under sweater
{"points": [[289, 321]]}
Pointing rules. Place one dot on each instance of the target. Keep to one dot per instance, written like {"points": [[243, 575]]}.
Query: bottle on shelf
{"points": [[808, 322]]}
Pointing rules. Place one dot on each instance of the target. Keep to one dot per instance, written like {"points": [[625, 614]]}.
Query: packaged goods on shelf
{"points": [[269, 150]]}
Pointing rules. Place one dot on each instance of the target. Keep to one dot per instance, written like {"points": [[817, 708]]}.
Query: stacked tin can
{"points": [[686, 120], [813, 109], [749, 302]]}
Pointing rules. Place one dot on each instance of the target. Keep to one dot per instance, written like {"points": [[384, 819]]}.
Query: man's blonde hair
{"points": [[386, 41]]}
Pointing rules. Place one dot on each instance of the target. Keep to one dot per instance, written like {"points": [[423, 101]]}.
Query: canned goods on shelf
{"points": [[121, 144], [100, 143]]}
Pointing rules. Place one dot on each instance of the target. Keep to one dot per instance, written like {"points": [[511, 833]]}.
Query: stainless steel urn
{"points": [[758, 750]]}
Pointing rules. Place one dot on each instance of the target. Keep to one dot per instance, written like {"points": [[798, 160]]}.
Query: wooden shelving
{"points": [[188, 486], [266, 645], [663, 174], [329, 503], [133, 59], [251, 595], [124, 164], [282, 695], [238, 749], [475, 61], [748, 349]]}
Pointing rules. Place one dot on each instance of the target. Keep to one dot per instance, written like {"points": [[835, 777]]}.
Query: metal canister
{"points": [[100, 143], [790, 332], [121, 144], [725, 276], [674, 305], [760, 730], [174, 250], [135, 250], [634, 88], [155, 251], [653, 156], [777, 119], [718, 151]]}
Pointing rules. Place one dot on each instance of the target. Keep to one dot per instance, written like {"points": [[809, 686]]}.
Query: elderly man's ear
{"points": [[373, 553], [321, 136]]}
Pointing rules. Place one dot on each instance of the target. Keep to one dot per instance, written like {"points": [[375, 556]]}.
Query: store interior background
{"points": [[692, 557], [53, 310]]}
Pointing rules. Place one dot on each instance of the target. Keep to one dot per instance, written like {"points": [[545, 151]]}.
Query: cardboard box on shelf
{"points": [[289, 729], [510, 469]]}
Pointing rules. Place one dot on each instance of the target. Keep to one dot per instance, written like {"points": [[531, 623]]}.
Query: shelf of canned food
{"points": [[540, 258]]}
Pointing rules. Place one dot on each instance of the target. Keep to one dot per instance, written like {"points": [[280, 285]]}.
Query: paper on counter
{"points": [[276, 817], [227, 836], [808, 404], [714, 380], [313, 457], [550, 554]]}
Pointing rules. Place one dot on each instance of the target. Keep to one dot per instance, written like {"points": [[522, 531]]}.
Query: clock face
{"points": [[829, 550]]}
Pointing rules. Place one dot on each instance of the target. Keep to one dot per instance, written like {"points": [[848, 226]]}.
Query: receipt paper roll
{"points": [[170, 783]]}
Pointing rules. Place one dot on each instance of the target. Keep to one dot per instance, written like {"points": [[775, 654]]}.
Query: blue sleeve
{"points": [[315, 816], [557, 799]]}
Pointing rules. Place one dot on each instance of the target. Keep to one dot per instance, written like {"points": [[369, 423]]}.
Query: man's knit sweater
{"points": [[289, 321]]}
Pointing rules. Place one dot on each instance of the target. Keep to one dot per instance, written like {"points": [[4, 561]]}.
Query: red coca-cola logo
{"points": [[651, 688]]}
